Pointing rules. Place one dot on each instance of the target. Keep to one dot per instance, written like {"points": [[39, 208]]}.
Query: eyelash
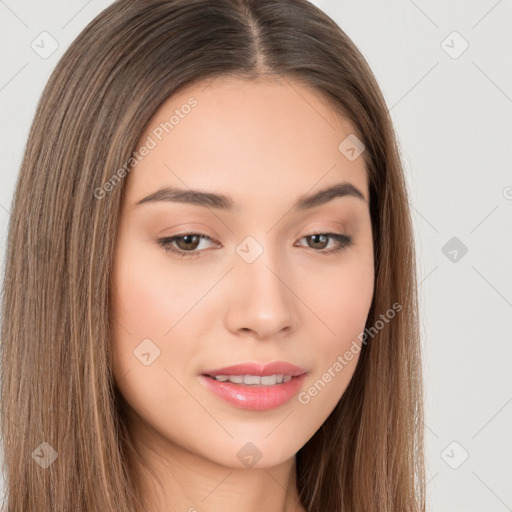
{"points": [[344, 242]]}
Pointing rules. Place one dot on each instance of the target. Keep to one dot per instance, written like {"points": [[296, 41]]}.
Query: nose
{"points": [[261, 299]]}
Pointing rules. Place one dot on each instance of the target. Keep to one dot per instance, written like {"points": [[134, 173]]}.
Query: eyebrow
{"points": [[223, 202]]}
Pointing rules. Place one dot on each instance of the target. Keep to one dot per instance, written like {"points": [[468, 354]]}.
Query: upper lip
{"points": [[274, 368]]}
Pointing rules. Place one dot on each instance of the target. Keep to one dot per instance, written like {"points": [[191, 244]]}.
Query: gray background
{"points": [[452, 112]]}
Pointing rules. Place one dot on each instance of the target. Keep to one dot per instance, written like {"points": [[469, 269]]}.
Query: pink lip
{"points": [[255, 398]]}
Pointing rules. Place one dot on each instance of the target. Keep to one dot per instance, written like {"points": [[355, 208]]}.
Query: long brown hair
{"points": [[57, 386]]}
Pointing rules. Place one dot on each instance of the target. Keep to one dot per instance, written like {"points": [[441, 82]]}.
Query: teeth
{"points": [[268, 380], [255, 380], [252, 379]]}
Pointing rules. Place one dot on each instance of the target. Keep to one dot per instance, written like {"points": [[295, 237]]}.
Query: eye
{"points": [[186, 245], [321, 240]]}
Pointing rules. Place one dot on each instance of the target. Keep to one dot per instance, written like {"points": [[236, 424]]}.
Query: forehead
{"points": [[245, 138]]}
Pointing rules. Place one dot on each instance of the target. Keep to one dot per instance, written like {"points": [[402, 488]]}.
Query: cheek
{"points": [[147, 309], [151, 297], [139, 312], [342, 303], [140, 303], [341, 297], [347, 302], [153, 301]]}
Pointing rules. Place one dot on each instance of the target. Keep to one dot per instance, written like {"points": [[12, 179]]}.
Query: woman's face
{"points": [[257, 279]]}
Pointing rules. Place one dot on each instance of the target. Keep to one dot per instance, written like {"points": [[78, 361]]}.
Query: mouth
{"points": [[253, 386]]}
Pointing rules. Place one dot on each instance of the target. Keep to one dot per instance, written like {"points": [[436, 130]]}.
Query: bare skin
{"points": [[265, 144]]}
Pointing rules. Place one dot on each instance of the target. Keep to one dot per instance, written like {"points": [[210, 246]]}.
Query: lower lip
{"points": [[254, 398]]}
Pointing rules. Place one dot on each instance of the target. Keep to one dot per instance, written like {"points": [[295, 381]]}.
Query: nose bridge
{"points": [[261, 300]]}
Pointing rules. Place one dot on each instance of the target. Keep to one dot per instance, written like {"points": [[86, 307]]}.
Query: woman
{"points": [[210, 297]]}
